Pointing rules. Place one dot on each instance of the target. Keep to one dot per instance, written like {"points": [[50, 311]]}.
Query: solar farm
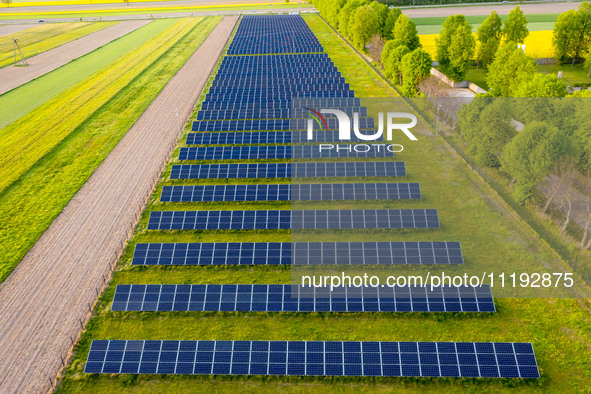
{"points": [[209, 292], [268, 63]]}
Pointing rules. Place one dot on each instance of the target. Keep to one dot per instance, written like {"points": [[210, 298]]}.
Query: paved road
{"points": [[12, 77], [501, 9], [46, 299]]}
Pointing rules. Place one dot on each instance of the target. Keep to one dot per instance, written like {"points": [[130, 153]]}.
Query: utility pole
{"points": [[17, 48]]}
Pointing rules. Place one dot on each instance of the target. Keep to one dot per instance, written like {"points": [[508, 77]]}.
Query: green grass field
{"points": [[37, 40], [491, 235], [39, 195], [22, 100]]}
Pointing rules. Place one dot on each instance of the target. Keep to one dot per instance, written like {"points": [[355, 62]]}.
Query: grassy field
{"points": [[143, 11], [37, 40], [39, 195], [27, 3], [20, 101], [490, 234]]}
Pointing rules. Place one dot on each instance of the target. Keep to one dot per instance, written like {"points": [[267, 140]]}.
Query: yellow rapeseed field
{"points": [[538, 44]]}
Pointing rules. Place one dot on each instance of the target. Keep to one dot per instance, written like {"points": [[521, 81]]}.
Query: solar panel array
{"points": [[293, 192], [293, 298], [294, 219], [314, 358], [298, 253], [251, 96], [289, 170]]}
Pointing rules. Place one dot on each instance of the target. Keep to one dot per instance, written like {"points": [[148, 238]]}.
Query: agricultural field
{"points": [[432, 25], [490, 233], [166, 10], [66, 150], [39, 39]]}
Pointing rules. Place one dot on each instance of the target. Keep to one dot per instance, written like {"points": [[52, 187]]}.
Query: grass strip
{"points": [[29, 206], [44, 43]]}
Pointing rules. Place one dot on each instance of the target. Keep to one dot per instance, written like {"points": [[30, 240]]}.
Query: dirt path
{"points": [[11, 29], [46, 299], [12, 77]]}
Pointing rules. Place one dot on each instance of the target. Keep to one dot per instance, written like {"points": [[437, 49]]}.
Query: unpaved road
{"points": [[44, 302], [12, 77], [11, 29], [501, 9]]}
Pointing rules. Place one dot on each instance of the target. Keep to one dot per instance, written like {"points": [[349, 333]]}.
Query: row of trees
{"points": [[393, 36], [572, 34]]}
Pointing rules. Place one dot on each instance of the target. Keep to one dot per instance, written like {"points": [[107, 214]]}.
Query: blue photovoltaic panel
{"points": [[314, 358], [324, 102], [263, 137], [293, 298], [298, 253], [294, 192], [284, 170], [286, 219], [281, 152]]}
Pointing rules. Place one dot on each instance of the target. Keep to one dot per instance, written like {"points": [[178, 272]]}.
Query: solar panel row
{"points": [[294, 192], [263, 113], [314, 358], [298, 253], [282, 152], [263, 137], [272, 124], [289, 170], [293, 298], [294, 219]]}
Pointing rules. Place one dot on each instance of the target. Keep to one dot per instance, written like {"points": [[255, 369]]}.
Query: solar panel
{"points": [[294, 192], [314, 358], [262, 113], [284, 170], [303, 253], [286, 219], [293, 298], [281, 152]]}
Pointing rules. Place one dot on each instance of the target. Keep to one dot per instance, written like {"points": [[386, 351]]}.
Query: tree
{"points": [[515, 29], [376, 47], [572, 34], [405, 33], [509, 70], [455, 47], [414, 66], [345, 15], [392, 65], [531, 155], [331, 11], [381, 11], [542, 85], [489, 37], [388, 48], [390, 22], [461, 51], [486, 125], [6, 2], [364, 24]]}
